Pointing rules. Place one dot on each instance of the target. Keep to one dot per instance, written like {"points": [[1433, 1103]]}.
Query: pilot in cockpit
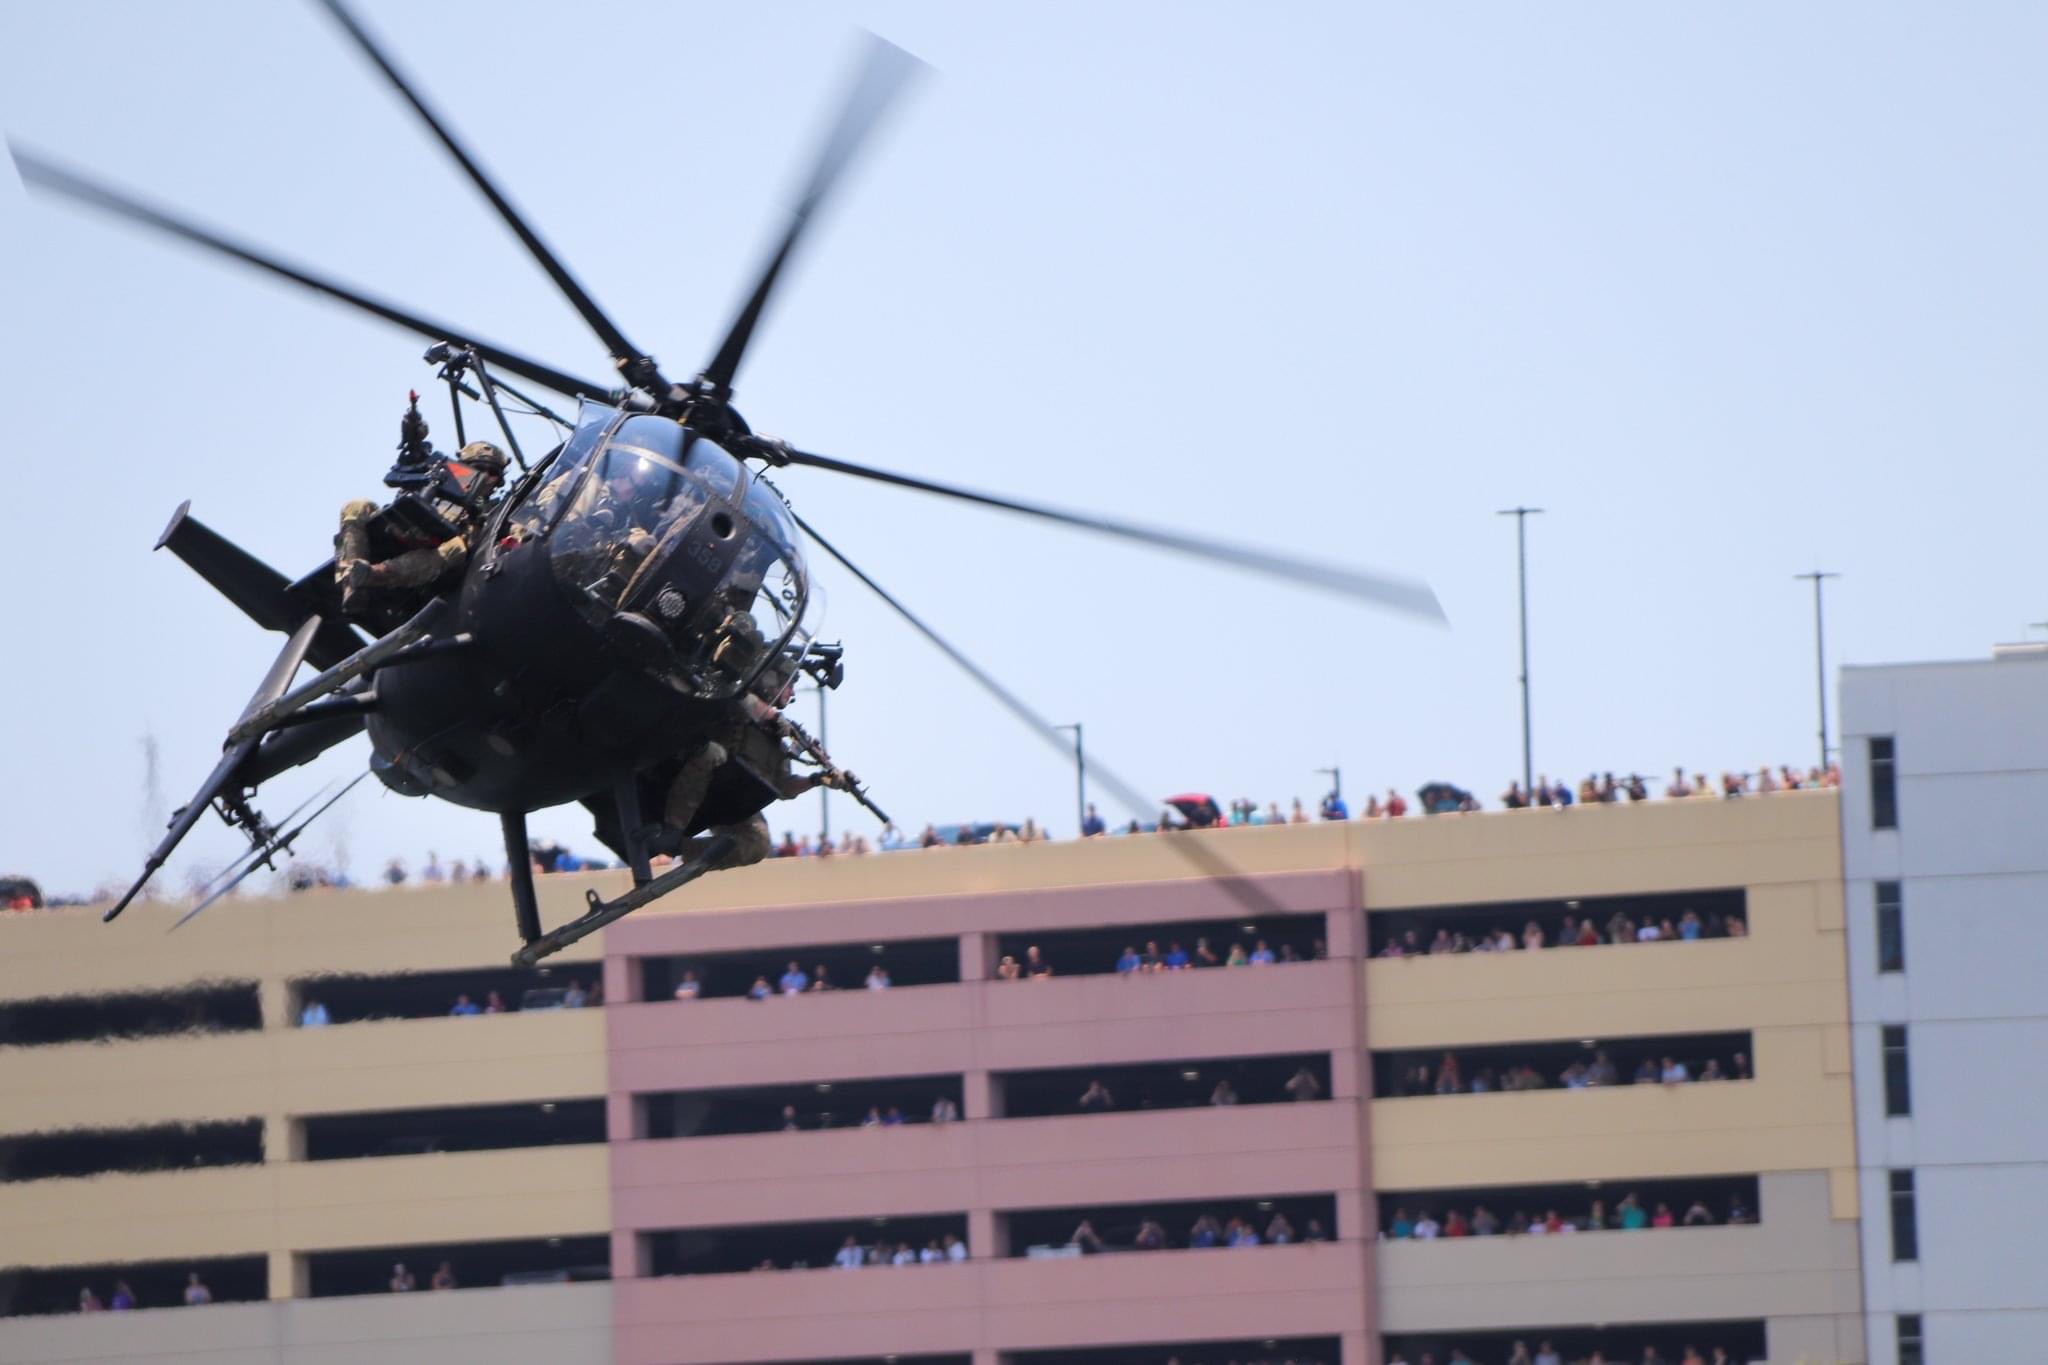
{"points": [[629, 505]]}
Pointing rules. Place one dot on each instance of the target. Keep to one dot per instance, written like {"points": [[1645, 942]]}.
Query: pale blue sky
{"points": [[1735, 291]]}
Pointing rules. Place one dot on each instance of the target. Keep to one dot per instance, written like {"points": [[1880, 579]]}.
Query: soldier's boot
{"points": [[755, 843], [752, 843]]}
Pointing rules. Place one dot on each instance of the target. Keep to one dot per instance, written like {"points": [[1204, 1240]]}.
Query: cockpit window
{"points": [[637, 492], [766, 510], [686, 566], [541, 501], [720, 471]]}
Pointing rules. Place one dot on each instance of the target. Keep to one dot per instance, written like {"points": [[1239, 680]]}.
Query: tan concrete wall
{"points": [[1790, 1118], [385, 1064], [1786, 983], [412, 928], [1597, 850], [1799, 1260], [309, 1206], [1415, 862], [531, 1325], [1789, 973]]}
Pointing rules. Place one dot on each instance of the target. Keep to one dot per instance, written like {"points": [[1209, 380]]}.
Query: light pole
{"points": [[1080, 778], [1820, 660], [824, 792], [1336, 776], [1521, 516]]}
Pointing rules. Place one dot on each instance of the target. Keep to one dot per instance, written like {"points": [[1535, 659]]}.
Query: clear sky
{"points": [[1734, 291]]}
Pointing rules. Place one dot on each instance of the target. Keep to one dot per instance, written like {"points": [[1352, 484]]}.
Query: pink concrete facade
{"points": [[987, 1166]]}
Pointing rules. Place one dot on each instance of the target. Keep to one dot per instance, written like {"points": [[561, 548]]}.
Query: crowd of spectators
{"points": [[1206, 1231], [793, 981], [1301, 1088], [854, 1254], [1593, 789], [1448, 1077], [1035, 966], [945, 1109], [1628, 1215], [1175, 958], [123, 1298], [1602, 788], [403, 1281], [1546, 1354], [313, 1013], [1572, 932]]}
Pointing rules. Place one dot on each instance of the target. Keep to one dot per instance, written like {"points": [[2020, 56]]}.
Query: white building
{"points": [[1945, 860]]}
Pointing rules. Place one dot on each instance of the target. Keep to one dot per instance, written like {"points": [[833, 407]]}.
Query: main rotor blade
{"points": [[1207, 861], [634, 363], [884, 72], [1401, 595], [49, 176]]}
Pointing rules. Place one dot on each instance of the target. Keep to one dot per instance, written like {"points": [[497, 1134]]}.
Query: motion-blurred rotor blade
{"points": [[884, 71], [634, 363], [1401, 595], [47, 175], [1139, 805], [262, 853], [1207, 861], [261, 846]]}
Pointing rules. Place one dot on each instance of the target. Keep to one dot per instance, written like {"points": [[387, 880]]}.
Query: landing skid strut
{"points": [[603, 912]]}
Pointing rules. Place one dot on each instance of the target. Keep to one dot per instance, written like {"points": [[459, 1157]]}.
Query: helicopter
{"points": [[635, 601]]}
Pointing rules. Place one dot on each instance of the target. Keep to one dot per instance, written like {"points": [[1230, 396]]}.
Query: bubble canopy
{"points": [[664, 540]]}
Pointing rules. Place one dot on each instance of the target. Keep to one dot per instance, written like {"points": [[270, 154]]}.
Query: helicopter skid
{"points": [[603, 912]]}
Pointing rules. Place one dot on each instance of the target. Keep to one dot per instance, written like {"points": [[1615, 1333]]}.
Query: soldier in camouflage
{"points": [[428, 564], [686, 792]]}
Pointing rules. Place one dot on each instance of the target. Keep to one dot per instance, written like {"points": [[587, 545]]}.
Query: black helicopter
{"points": [[632, 592]]}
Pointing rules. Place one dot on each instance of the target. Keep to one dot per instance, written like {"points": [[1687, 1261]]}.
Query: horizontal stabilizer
{"points": [[259, 590]]}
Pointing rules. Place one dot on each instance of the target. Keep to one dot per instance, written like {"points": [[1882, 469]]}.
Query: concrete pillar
{"points": [[1344, 932], [621, 982], [1349, 1080], [279, 1001], [987, 1355], [630, 1257], [977, 956], [624, 1118], [1357, 1216], [289, 1278], [284, 1138], [1359, 1348], [981, 1097], [987, 1237]]}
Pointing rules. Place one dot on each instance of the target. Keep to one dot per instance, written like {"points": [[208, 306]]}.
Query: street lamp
{"points": [[1521, 516], [824, 792], [1080, 778], [1820, 665]]}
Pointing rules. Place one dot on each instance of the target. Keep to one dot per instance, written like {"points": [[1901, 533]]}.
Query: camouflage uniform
{"points": [[353, 569], [686, 795]]}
